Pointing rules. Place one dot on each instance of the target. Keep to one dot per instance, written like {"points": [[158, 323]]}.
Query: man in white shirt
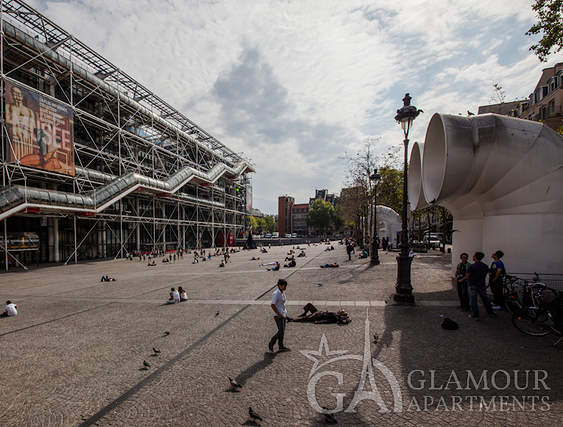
{"points": [[10, 310], [278, 306]]}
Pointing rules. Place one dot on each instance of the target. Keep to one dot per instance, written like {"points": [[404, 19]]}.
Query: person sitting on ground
{"points": [[276, 266], [255, 258], [364, 253], [10, 310], [290, 264], [152, 263], [106, 278], [264, 250], [333, 265], [174, 296], [222, 264], [301, 254], [183, 295], [312, 315], [165, 260]]}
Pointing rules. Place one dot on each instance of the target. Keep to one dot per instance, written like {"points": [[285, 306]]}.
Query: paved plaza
{"points": [[74, 354]]}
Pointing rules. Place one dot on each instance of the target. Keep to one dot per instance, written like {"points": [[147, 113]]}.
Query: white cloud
{"points": [[328, 74]]}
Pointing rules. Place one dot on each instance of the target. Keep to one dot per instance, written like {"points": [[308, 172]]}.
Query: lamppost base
{"points": [[405, 299], [403, 289], [375, 261]]}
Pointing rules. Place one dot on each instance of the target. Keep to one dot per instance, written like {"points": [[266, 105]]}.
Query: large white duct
{"points": [[502, 180], [388, 223], [416, 195]]}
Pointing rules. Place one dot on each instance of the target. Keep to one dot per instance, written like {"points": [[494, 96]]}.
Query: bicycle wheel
{"points": [[534, 322], [512, 303]]}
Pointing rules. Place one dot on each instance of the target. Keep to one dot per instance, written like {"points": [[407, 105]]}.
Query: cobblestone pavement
{"points": [[75, 352]]}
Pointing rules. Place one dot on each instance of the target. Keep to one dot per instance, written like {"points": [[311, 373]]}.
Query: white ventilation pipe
{"points": [[388, 224], [416, 195], [502, 180]]}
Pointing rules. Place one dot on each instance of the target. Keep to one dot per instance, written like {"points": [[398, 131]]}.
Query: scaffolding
{"points": [[141, 176]]}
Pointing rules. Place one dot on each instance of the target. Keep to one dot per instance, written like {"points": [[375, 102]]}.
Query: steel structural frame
{"points": [[123, 127]]}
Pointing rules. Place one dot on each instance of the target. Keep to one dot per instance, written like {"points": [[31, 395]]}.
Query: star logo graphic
{"points": [[323, 352]]}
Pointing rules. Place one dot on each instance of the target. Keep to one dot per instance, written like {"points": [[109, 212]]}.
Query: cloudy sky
{"points": [[299, 85]]}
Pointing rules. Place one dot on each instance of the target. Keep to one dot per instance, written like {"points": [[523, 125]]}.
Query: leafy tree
{"points": [[270, 224], [549, 25], [390, 189], [356, 205], [321, 215]]}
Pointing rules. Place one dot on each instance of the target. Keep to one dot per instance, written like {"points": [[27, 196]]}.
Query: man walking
{"points": [[476, 276], [278, 306]]}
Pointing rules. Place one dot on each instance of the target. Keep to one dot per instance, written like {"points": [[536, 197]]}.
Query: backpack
{"points": [[449, 324]]}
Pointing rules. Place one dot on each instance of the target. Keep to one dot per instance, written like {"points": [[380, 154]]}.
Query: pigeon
{"points": [[234, 384], [253, 415], [146, 364], [156, 350], [216, 314], [329, 419], [319, 284], [166, 333]]}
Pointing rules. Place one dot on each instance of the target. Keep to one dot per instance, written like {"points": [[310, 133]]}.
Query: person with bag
{"points": [[462, 285], [497, 272]]}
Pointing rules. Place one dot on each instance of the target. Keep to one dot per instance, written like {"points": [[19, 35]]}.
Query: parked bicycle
{"points": [[537, 309]]}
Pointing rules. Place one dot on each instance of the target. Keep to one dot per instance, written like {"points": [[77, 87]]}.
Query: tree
{"points": [[321, 215], [499, 94], [549, 25], [356, 203], [270, 223]]}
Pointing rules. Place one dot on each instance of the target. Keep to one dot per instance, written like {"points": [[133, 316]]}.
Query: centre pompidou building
{"points": [[94, 164]]}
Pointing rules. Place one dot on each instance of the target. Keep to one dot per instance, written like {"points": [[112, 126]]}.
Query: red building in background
{"points": [[285, 204]]}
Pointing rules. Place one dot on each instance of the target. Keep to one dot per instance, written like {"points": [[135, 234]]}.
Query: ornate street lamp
{"points": [[374, 245], [403, 290]]}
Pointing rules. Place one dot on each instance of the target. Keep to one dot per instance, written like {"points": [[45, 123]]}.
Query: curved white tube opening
{"points": [[416, 195]]}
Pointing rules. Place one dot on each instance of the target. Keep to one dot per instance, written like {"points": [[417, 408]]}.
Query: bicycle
{"points": [[512, 288], [541, 312]]}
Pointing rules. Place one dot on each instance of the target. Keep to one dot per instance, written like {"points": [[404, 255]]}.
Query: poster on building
{"points": [[40, 130]]}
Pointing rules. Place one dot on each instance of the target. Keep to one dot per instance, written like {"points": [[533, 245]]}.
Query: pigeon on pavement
{"points": [[234, 384], [166, 333], [253, 415], [146, 364], [156, 350], [329, 418]]}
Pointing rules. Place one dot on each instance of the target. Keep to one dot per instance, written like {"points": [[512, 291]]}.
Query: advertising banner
{"points": [[40, 130]]}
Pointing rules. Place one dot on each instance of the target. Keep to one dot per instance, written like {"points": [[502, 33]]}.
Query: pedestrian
{"points": [[476, 276], [349, 249], [496, 275], [10, 310], [462, 285], [278, 306]]}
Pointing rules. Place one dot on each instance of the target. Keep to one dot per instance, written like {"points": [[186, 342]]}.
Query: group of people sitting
{"points": [[177, 296]]}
